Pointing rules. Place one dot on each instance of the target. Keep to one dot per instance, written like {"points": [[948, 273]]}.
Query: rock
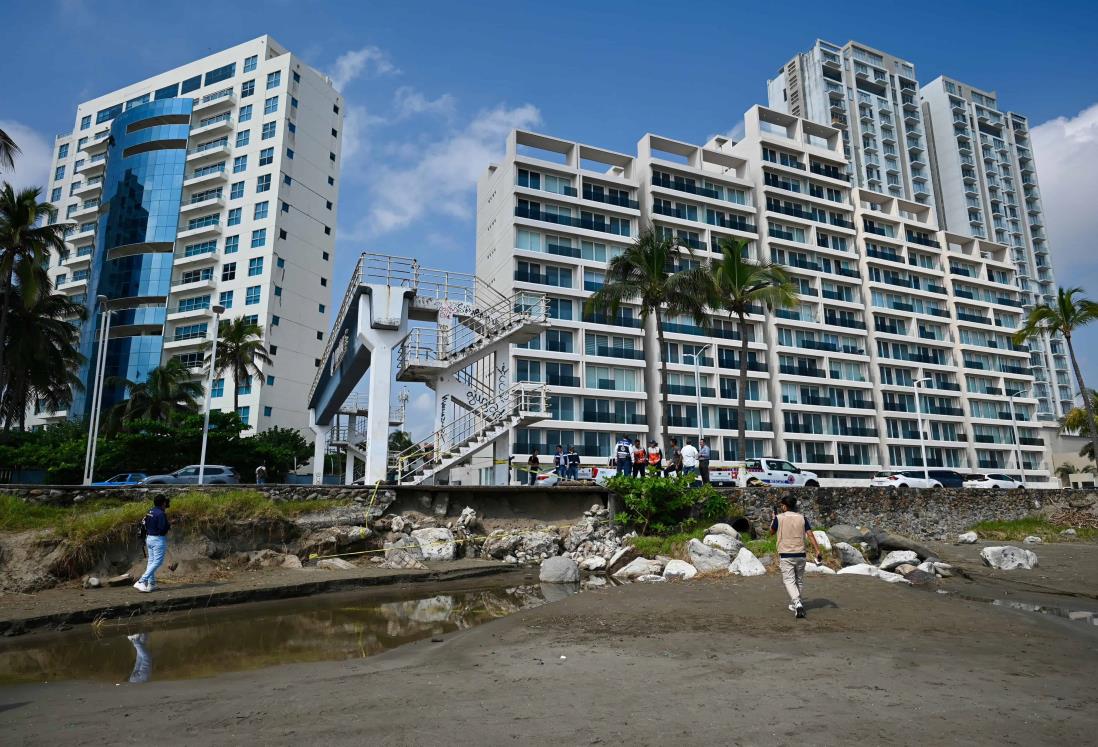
{"points": [[595, 582], [1081, 615], [707, 558], [968, 538], [290, 561], [886, 541], [822, 539], [920, 578], [945, 570], [1069, 532], [724, 542], [650, 578], [339, 516], [468, 518], [124, 579], [559, 570], [1032, 539], [523, 546], [860, 569], [557, 592], [92, 582], [397, 524], [844, 533], [403, 553], [746, 564], [679, 570], [593, 564], [821, 569], [723, 529], [898, 558], [767, 560], [582, 531], [1007, 558], [335, 564], [435, 544], [892, 578], [849, 555], [637, 568], [621, 558]]}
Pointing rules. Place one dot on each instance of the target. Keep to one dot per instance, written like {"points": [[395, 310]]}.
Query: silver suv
{"points": [[214, 474]]}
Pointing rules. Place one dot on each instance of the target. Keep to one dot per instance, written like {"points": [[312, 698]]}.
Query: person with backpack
{"points": [[154, 529], [623, 456]]}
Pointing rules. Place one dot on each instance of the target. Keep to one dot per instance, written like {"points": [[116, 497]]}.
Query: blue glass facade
{"points": [[135, 240]]}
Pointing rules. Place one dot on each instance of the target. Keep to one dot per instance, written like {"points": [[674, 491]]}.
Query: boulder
{"points": [[724, 542], [968, 538], [436, 544], [639, 567], [559, 570], [723, 529], [945, 570], [335, 564], [849, 555], [707, 558], [1032, 539], [397, 523], [582, 531], [905, 568], [822, 539], [1069, 532], [886, 541], [890, 577], [404, 553], [746, 564], [677, 570], [291, 561], [898, 558], [860, 569], [650, 578], [529, 545], [821, 569], [844, 533], [593, 564], [622, 557], [1007, 558], [920, 578], [468, 518]]}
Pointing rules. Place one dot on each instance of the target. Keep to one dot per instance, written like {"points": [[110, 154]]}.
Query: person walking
{"points": [[689, 459], [640, 458], [655, 458], [623, 457], [532, 468], [261, 474], [675, 464], [791, 529], [155, 528], [573, 463], [703, 461], [560, 463]]}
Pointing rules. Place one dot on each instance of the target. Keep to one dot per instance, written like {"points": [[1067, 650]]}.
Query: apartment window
{"points": [[267, 411], [331, 181], [270, 106], [226, 299], [290, 153], [266, 156], [275, 320], [244, 386], [324, 282], [324, 256], [259, 238], [328, 204], [331, 156], [320, 335], [236, 191], [263, 183], [297, 78], [269, 130], [278, 290], [282, 233], [247, 88], [251, 296], [270, 380], [81, 143], [335, 108], [222, 73], [287, 180], [55, 195], [245, 113], [234, 220], [274, 79], [291, 126], [293, 102], [59, 173], [260, 211], [240, 163], [321, 308], [244, 413], [228, 272], [85, 122], [251, 319], [63, 151], [194, 303], [335, 132], [280, 263], [243, 137], [250, 63], [255, 266], [232, 244], [191, 84], [218, 388]]}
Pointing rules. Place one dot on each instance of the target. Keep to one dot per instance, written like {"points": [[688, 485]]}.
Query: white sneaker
{"points": [[142, 587], [792, 608]]}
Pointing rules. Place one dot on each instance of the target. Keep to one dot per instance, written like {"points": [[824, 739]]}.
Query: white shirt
{"points": [[689, 456]]}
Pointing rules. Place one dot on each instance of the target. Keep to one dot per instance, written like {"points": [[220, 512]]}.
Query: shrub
{"points": [[662, 505]]}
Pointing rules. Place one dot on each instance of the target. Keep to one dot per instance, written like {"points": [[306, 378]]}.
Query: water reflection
{"points": [[230, 639]]}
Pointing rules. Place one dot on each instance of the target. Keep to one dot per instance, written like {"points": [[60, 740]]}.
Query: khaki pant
{"points": [[793, 577]]}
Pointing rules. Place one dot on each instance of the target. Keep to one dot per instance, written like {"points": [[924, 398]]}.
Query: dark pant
{"points": [[673, 468], [625, 467], [638, 469], [532, 476], [703, 469]]}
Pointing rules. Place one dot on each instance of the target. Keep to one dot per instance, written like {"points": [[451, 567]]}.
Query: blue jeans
{"points": [[573, 472], [689, 470], [625, 467], [157, 547]]}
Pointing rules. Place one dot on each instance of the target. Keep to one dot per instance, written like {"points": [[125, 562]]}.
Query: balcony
{"points": [[222, 122], [733, 225], [629, 354], [212, 150], [201, 177], [619, 321], [915, 238], [838, 321], [963, 316], [541, 278], [619, 418], [732, 362], [208, 202], [561, 380], [887, 256], [831, 172], [589, 224], [84, 212], [89, 189], [608, 199], [818, 373], [180, 313], [211, 102], [688, 390], [211, 228], [693, 329]]}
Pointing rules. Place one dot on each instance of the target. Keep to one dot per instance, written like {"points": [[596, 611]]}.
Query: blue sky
{"points": [[432, 88]]}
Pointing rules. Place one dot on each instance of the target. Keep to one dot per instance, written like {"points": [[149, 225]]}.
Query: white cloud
{"points": [[442, 175], [409, 102], [735, 134], [32, 163], [354, 63]]}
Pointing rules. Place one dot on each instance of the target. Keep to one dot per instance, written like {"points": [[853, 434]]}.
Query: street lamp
{"points": [[218, 310], [97, 389], [1014, 424], [922, 436], [697, 386]]}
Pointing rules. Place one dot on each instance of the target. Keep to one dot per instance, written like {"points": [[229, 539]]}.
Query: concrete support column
{"points": [[349, 462], [320, 448]]}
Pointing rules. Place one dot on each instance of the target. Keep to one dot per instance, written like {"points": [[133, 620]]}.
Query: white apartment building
{"points": [[214, 183], [986, 185], [873, 98], [832, 382]]}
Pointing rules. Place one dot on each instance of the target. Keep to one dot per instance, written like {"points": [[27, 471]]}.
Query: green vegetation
{"points": [[1019, 529], [767, 545], [668, 505], [671, 545], [18, 516]]}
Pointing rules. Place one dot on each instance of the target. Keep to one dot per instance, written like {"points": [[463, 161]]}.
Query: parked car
{"points": [[947, 477], [214, 474], [993, 481], [776, 472], [904, 479], [122, 480]]}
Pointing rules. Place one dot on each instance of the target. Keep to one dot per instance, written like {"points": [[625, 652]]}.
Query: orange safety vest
{"points": [[655, 456]]}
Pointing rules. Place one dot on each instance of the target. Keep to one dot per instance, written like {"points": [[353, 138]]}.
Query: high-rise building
{"points": [[898, 324], [873, 99], [212, 184]]}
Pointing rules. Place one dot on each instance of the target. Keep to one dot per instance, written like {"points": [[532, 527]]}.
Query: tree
{"points": [[8, 151], [239, 349], [739, 286], [1064, 473], [41, 350], [646, 273], [24, 243], [399, 441], [166, 393], [1064, 317], [1075, 421]]}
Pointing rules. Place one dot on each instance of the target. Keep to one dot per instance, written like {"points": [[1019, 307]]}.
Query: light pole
{"points": [[697, 387], [1014, 425], [922, 436], [97, 389], [218, 310]]}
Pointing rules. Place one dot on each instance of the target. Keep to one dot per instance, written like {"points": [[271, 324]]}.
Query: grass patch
{"points": [[19, 516], [671, 545], [767, 545], [1019, 529]]}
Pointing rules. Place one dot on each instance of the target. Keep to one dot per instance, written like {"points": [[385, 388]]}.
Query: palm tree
{"points": [[239, 349], [1067, 315], [646, 274], [8, 151], [399, 441], [23, 241], [739, 286], [167, 392], [1064, 473], [42, 351], [1075, 421]]}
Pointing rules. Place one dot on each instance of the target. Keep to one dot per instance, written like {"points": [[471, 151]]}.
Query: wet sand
{"points": [[720, 660]]}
